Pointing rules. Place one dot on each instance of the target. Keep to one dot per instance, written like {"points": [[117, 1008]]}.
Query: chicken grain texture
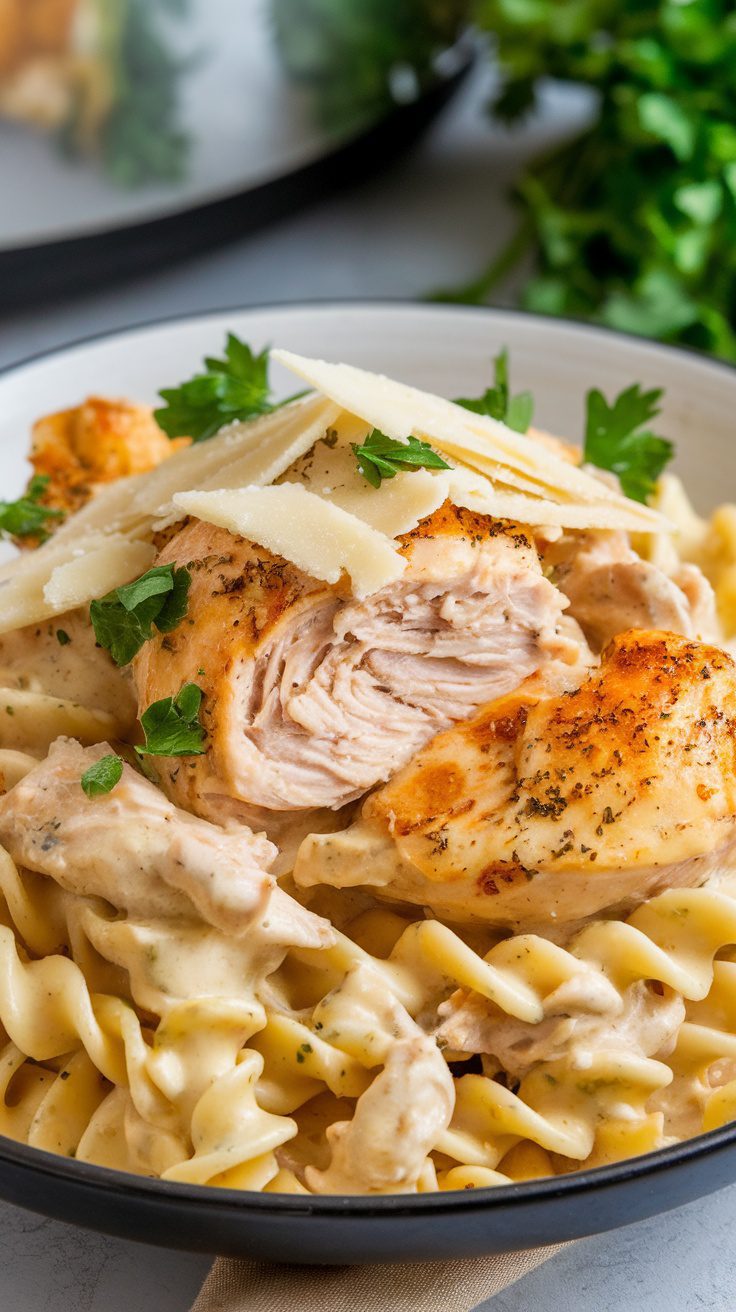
{"points": [[577, 1021], [81, 449], [610, 589], [546, 810], [134, 849], [311, 697]]}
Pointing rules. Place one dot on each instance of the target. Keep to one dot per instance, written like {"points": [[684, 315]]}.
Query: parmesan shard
{"points": [[330, 470], [106, 543], [261, 448], [320, 538], [475, 492], [107, 565], [484, 444], [62, 575]]}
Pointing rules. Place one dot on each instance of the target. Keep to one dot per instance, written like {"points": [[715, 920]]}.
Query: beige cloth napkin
{"points": [[237, 1286]]}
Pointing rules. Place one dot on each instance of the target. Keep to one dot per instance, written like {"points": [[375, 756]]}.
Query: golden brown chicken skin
{"points": [[551, 809]]}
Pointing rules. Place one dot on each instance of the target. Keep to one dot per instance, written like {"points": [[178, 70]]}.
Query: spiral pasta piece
{"points": [[234, 1138]]}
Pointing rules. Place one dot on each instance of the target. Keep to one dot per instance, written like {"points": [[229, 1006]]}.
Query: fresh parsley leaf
{"points": [[172, 726], [496, 402], [124, 619], [27, 517], [234, 388], [616, 438], [102, 777], [382, 457]]}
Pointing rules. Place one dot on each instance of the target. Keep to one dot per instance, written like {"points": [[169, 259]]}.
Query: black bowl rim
{"points": [[401, 1206]]}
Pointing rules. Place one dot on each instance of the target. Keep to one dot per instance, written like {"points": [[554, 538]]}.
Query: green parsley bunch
{"points": [[633, 223]]}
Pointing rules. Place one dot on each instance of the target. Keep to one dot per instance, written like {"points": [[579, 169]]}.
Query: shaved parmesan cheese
{"points": [[330, 470], [399, 504], [319, 538], [278, 446], [61, 575], [258, 448], [483, 443], [474, 492], [95, 572]]}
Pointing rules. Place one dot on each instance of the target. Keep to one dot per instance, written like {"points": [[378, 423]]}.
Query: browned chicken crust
{"points": [[557, 808]]}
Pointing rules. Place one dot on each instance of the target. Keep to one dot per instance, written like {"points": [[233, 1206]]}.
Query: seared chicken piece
{"points": [[133, 848], [557, 808], [611, 589], [313, 697], [80, 450], [60, 657]]}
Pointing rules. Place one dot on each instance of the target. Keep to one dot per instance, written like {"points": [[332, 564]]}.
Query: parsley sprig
{"points": [[617, 438], [102, 777], [382, 457], [233, 388], [28, 517], [172, 726], [124, 619], [498, 403], [632, 223]]}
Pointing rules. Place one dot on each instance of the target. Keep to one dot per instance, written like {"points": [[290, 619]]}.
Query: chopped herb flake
{"points": [[102, 777], [496, 402], [382, 457], [234, 388], [616, 438], [172, 727], [28, 517]]}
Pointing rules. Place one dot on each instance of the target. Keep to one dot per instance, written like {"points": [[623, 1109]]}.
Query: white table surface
{"points": [[430, 219]]}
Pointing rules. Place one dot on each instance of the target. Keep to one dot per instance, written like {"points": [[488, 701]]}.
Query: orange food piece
{"points": [[80, 450]]}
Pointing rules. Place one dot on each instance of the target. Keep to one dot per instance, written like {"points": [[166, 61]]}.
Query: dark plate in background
{"points": [[78, 264]]}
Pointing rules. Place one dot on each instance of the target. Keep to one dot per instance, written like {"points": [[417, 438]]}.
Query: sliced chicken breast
{"points": [[546, 810], [312, 697]]}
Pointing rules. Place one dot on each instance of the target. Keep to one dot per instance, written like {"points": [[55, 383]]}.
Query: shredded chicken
{"points": [[643, 1021], [133, 848], [551, 809], [611, 589]]}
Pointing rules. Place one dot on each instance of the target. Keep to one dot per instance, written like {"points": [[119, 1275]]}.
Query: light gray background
{"points": [[431, 219]]}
